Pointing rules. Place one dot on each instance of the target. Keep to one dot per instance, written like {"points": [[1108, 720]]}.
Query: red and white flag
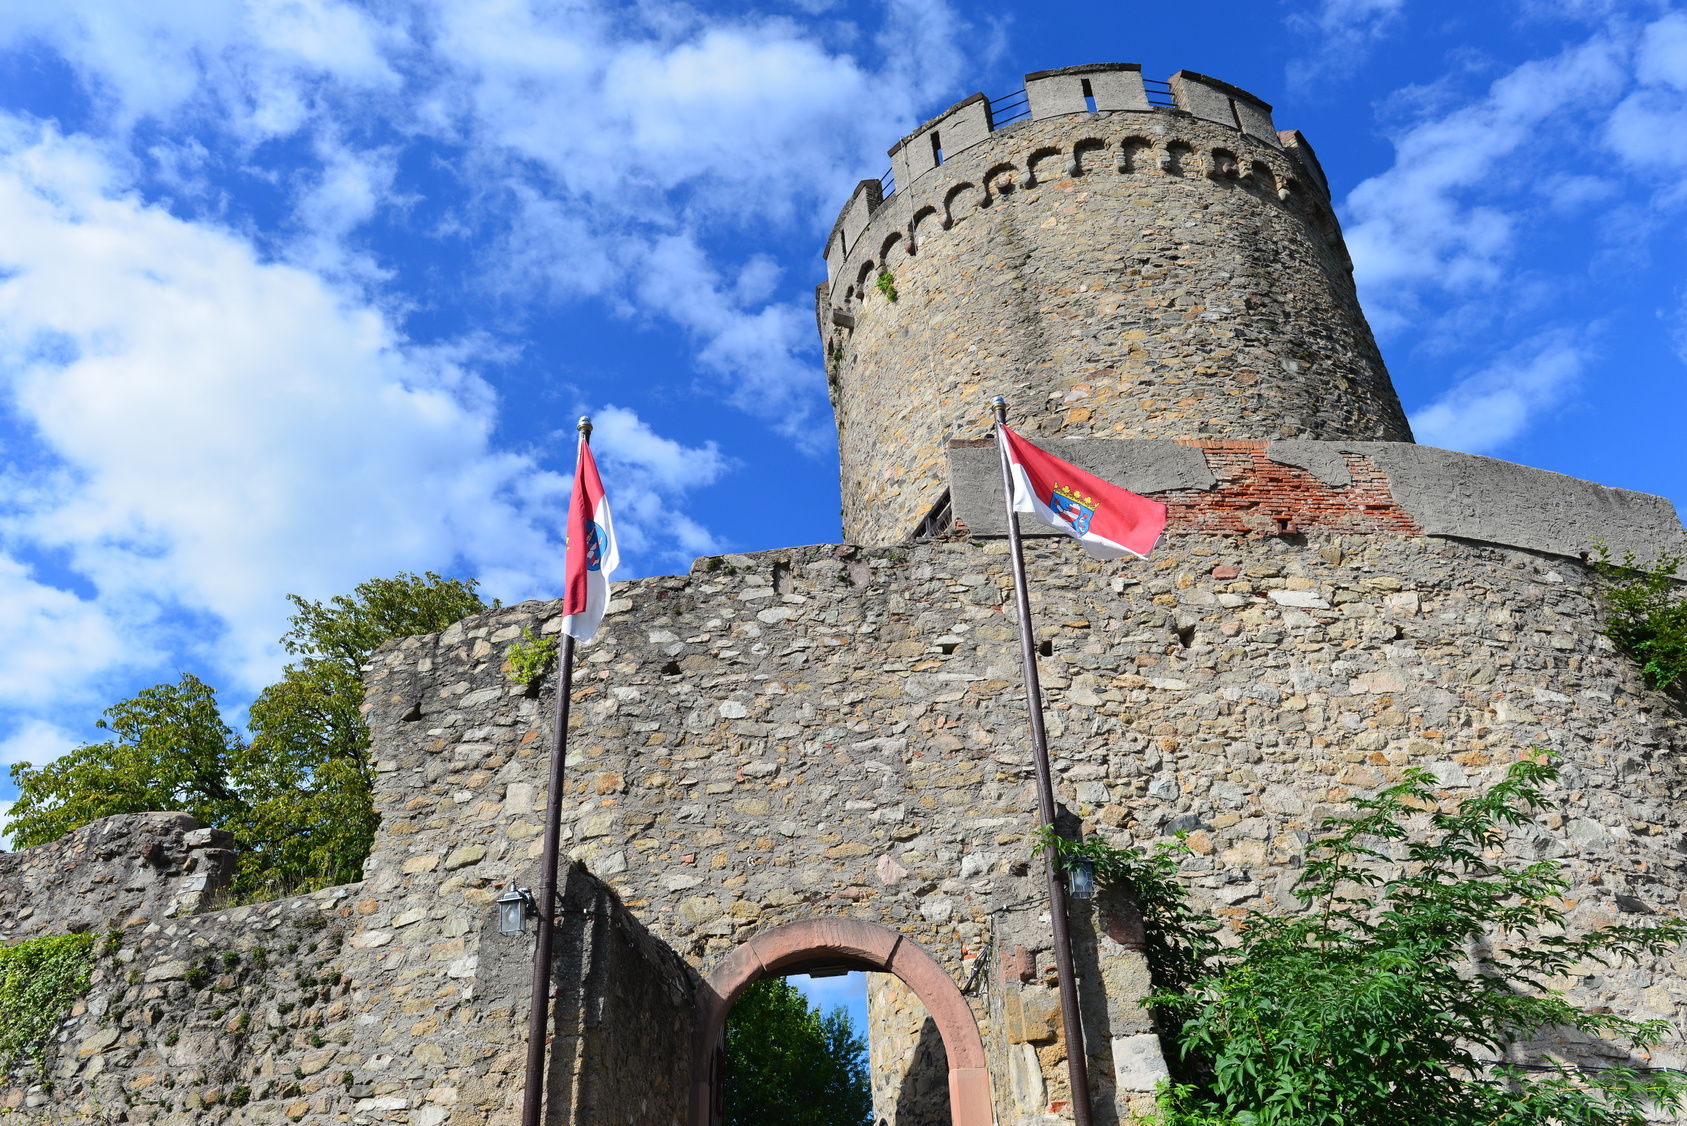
{"points": [[1109, 521], [591, 551]]}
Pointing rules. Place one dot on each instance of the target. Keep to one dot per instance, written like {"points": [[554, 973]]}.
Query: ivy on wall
{"points": [[1646, 614], [40, 979]]}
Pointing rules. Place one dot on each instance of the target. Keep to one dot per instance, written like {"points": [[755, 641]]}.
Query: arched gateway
{"points": [[848, 944]]}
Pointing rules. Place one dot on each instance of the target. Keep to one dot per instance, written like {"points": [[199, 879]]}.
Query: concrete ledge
{"points": [[1444, 492]]}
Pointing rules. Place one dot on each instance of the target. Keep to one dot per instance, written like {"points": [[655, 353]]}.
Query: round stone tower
{"points": [[1121, 261]]}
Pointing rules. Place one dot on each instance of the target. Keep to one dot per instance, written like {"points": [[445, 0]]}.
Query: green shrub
{"points": [[526, 660], [887, 285], [40, 979], [1391, 997], [1646, 614]]}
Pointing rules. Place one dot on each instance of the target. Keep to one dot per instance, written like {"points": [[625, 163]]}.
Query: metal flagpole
{"points": [[1077, 1069], [538, 1016]]}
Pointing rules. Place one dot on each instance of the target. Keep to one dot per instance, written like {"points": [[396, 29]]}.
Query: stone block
{"points": [[1138, 1062]]}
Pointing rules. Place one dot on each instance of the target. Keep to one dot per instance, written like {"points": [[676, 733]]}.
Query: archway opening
{"points": [[793, 1055], [841, 945]]}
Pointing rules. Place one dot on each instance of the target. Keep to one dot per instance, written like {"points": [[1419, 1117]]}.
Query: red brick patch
{"points": [[1255, 494]]}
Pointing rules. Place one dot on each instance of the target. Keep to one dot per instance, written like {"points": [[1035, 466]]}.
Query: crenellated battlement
{"points": [[1117, 124]]}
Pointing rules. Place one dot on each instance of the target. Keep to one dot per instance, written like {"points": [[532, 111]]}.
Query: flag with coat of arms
{"points": [[591, 552], [1108, 521]]}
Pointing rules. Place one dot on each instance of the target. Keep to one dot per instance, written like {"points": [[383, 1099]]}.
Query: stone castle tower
{"points": [[1117, 269], [814, 759]]}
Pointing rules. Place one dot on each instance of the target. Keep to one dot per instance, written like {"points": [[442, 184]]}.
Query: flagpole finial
{"points": [[584, 426], [1000, 406]]}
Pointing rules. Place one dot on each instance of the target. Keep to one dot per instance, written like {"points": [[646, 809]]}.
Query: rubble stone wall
{"points": [[266, 1013], [116, 873], [831, 731], [905, 1049]]}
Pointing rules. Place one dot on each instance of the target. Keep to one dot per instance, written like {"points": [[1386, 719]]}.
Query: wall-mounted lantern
{"points": [[514, 907], [1080, 880]]}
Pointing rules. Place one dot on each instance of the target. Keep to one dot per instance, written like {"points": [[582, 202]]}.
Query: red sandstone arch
{"points": [[860, 945]]}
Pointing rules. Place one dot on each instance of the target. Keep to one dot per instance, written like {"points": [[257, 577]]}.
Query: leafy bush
{"points": [[40, 979], [526, 660], [1394, 998], [1646, 614], [887, 285]]}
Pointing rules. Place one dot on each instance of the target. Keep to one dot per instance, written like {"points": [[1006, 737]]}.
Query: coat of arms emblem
{"points": [[1072, 507]]}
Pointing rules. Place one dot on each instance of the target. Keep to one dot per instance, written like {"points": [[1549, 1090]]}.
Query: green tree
{"points": [[299, 796], [786, 1065], [1422, 959], [170, 750]]}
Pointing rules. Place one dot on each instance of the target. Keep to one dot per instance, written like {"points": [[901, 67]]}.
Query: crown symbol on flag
{"points": [[1072, 494]]}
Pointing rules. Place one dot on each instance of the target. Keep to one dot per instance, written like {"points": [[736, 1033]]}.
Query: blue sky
{"points": [[294, 293]]}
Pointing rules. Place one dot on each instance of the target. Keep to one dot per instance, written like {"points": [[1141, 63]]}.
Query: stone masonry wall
{"points": [[118, 872], [265, 1014], [826, 731], [1137, 288], [910, 1072]]}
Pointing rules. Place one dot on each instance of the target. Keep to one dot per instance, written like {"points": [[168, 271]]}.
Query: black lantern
{"points": [[513, 908]]}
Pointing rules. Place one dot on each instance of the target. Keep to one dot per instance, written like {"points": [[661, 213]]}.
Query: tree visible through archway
{"points": [[787, 1064]]}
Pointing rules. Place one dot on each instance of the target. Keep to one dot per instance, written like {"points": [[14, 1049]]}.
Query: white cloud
{"points": [[1646, 127], [597, 135], [213, 431], [676, 132], [1484, 411], [646, 475], [1344, 32], [1440, 218], [254, 65], [37, 743]]}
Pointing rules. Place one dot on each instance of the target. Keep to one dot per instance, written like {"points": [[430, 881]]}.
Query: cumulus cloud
{"points": [[650, 473], [680, 131], [37, 743], [1442, 216], [1491, 407], [212, 431], [1645, 127]]}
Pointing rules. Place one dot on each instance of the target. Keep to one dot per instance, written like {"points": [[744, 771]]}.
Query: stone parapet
{"points": [[829, 732], [1289, 488], [112, 874]]}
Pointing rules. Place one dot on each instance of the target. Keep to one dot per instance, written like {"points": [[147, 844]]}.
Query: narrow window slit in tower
{"points": [[1089, 95], [936, 148]]}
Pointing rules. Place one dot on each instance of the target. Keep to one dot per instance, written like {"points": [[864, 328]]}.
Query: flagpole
{"points": [[1077, 1069], [538, 1015]]}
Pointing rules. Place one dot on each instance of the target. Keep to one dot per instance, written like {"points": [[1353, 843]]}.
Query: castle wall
{"points": [[1129, 274], [267, 1013], [116, 873], [910, 1073], [827, 731]]}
